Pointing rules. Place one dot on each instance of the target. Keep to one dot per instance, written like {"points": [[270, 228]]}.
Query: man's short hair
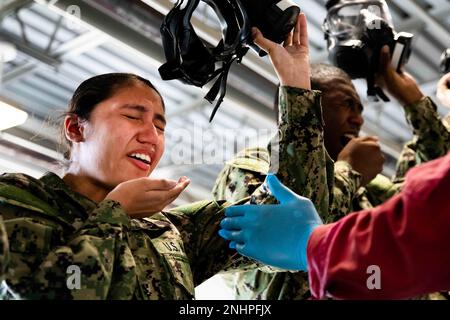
{"points": [[322, 75]]}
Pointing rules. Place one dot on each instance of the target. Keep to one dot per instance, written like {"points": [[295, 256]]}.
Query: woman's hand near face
{"points": [[143, 197], [290, 60]]}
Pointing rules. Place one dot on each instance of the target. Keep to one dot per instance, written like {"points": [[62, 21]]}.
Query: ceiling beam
{"points": [[8, 7], [434, 26], [75, 47]]}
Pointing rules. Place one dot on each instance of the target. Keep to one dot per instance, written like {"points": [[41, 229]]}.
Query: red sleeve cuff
{"points": [[317, 255]]}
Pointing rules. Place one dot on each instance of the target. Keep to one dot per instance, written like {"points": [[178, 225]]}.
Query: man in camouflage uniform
{"points": [[244, 174], [332, 195]]}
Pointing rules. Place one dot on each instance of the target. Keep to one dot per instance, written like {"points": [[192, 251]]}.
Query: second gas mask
{"points": [[356, 31]]}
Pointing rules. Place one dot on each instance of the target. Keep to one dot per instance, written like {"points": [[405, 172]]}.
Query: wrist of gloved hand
{"points": [[303, 248], [275, 235]]}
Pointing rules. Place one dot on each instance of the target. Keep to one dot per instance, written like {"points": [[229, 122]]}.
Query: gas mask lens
{"points": [[350, 19], [356, 31], [343, 21]]}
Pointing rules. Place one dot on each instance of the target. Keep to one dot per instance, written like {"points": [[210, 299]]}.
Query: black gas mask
{"points": [[356, 31], [192, 61]]}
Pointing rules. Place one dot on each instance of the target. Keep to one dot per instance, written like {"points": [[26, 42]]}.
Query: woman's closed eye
{"points": [[132, 117], [160, 127]]}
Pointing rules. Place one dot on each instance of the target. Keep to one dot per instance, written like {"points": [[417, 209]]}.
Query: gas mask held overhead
{"points": [[356, 31], [193, 61]]}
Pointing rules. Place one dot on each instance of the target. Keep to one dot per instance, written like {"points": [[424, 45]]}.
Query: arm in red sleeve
{"points": [[407, 238]]}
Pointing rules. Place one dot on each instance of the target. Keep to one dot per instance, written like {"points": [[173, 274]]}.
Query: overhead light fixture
{"points": [[11, 116], [8, 51]]}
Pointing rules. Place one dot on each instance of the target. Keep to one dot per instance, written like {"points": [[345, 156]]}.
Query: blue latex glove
{"points": [[275, 235]]}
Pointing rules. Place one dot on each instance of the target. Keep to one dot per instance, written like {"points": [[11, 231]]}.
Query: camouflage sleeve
{"points": [[346, 183], [431, 137], [234, 183], [208, 253], [297, 153], [301, 163], [45, 264]]}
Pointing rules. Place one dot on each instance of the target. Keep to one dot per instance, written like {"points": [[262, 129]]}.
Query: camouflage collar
{"points": [[82, 204], [158, 223], [52, 180]]}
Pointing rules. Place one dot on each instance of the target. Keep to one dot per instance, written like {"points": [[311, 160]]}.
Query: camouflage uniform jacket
{"points": [[243, 176], [431, 137], [54, 232], [52, 229], [300, 133]]}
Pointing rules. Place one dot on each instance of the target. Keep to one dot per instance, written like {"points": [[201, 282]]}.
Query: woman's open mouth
{"points": [[142, 161]]}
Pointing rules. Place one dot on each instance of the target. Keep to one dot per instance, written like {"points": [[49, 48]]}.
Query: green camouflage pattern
{"points": [[241, 176], [431, 138], [297, 153], [300, 120], [50, 228], [377, 191], [54, 232], [244, 174], [346, 183], [298, 157]]}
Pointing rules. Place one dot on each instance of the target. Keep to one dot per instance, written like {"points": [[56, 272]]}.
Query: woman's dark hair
{"points": [[96, 90]]}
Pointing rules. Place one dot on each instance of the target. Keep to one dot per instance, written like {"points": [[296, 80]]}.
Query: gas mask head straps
{"points": [[193, 62]]}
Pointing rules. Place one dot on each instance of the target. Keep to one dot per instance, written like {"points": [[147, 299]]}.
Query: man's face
{"points": [[124, 138], [342, 112]]}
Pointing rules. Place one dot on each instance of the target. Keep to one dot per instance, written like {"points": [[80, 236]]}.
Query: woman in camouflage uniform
{"points": [[98, 232]]}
